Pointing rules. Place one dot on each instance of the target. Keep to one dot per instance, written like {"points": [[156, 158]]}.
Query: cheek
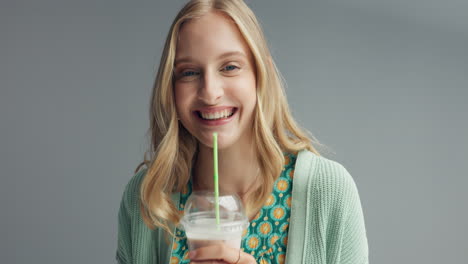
{"points": [[182, 98], [248, 90]]}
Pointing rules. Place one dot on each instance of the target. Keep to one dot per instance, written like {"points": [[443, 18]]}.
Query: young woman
{"points": [[217, 75]]}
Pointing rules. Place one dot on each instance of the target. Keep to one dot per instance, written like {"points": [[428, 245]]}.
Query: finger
{"points": [[208, 262], [218, 252]]}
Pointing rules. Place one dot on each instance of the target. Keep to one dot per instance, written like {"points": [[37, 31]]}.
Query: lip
{"points": [[214, 109], [217, 122]]}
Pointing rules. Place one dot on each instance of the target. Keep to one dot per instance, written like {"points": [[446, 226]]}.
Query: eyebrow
{"points": [[222, 56]]}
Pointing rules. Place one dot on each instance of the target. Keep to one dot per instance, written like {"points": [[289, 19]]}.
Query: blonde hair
{"points": [[173, 149]]}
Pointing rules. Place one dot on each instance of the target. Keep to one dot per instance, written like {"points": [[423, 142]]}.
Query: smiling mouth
{"points": [[212, 116]]}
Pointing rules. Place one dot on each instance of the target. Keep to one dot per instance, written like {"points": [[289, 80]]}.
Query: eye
{"points": [[189, 73], [229, 68]]}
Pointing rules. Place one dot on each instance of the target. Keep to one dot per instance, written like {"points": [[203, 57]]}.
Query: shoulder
{"points": [[325, 178], [329, 172], [131, 194], [135, 182]]}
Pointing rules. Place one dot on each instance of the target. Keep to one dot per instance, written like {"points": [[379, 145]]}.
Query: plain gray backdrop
{"points": [[383, 84]]}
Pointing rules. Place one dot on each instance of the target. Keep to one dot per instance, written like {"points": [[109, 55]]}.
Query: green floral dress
{"points": [[266, 237]]}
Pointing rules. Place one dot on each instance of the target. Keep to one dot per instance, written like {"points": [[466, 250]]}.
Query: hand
{"points": [[220, 254]]}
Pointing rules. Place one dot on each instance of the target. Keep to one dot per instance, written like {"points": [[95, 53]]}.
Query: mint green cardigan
{"points": [[327, 223]]}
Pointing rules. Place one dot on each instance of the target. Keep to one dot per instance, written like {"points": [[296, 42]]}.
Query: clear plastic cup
{"points": [[199, 220]]}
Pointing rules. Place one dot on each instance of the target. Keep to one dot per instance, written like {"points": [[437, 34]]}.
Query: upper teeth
{"points": [[216, 115]]}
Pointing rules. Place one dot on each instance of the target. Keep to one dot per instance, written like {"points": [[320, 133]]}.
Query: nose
{"points": [[211, 88]]}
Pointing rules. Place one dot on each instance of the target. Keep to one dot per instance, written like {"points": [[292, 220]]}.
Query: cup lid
{"points": [[200, 211]]}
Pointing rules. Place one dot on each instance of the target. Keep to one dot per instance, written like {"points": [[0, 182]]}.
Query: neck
{"points": [[238, 169]]}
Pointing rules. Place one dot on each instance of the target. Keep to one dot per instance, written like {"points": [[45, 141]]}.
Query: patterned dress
{"points": [[266, 237]]}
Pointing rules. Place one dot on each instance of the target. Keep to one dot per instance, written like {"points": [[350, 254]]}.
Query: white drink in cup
{"points": [[200, 223]]}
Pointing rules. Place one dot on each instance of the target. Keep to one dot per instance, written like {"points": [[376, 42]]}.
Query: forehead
{"points": [[210, 36]]}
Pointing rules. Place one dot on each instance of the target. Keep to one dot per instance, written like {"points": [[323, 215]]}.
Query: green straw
{"points": [[215, 164]]}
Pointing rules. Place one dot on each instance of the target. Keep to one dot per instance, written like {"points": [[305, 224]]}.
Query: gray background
{"points": [[383, 84]]}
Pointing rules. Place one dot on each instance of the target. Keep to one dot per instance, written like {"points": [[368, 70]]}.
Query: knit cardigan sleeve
{"points": [[135, 241], [355, 246], [126, 215], [124, 245], [337, 215]]}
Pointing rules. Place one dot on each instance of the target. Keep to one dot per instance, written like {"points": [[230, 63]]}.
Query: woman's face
{"points": [[215, 86]]}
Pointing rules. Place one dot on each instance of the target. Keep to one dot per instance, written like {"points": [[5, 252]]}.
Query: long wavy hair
{"points": [[173, 149]]}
